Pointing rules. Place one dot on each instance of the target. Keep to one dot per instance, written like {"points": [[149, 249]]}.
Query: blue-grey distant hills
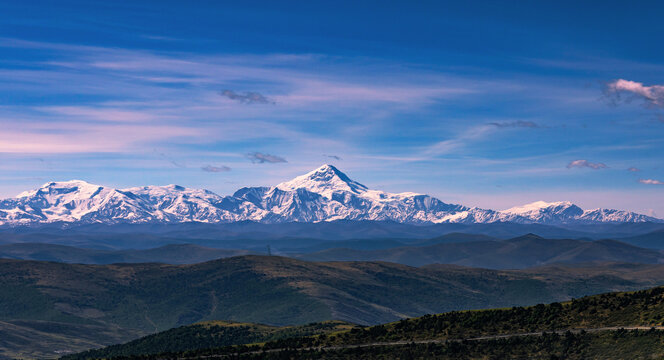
{"points": [[322, 195]]}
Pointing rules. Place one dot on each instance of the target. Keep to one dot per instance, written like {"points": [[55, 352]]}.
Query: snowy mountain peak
{"points": [[538, 206], [565, 212], [79, 187], [325, 181], [559, 212]]}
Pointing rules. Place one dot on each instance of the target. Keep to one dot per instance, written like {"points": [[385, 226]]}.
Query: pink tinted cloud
{"points": [[101, 114], [45, 138], [651, 182], [651, 95]]}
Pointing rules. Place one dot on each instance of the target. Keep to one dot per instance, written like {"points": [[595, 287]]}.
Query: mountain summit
{"points": [[324, 194], [325, 180]]}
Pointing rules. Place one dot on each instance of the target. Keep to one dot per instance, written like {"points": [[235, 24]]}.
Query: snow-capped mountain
{"points": [[564, 212], [324, 194]]}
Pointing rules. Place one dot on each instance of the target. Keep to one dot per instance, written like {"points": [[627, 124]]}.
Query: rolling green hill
{"points": [[129, 300], [591, 327]]}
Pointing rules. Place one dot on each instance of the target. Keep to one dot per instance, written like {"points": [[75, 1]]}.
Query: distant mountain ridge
{"points": [[324, 194], [517, 253]]}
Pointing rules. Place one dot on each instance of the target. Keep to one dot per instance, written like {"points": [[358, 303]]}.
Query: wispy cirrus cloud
{"points": [[169, 99], [627, 90], [101, 114], [474, 134], [633, 169], [261, 158], [48, 137], [586, 164], [651, 182], [216, 169], [335, 157], [462, 139]]}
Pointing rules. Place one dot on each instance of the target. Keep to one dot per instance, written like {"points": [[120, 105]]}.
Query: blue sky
{"points": [[480, 103]]}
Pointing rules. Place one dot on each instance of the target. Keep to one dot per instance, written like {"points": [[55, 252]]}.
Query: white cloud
{"points": [[651, 182]]}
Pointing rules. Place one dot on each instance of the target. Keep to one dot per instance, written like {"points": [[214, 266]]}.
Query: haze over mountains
{"points": [[324, 194]]}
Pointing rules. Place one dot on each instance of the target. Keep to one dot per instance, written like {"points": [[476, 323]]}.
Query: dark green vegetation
{"points": [[604, 345], [130, 300], [590, 327], [522, 252], [214, 334]]}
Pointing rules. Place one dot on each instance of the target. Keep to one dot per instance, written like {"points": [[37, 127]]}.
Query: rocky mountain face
{"points": [[324, 194]]}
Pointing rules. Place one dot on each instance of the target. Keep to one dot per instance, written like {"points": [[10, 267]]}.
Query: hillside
{"points": [[139, 299], [579, 328], [521, 252]]}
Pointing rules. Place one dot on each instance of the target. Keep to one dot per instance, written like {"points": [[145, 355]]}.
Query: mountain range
{"points": [[322, 195]]}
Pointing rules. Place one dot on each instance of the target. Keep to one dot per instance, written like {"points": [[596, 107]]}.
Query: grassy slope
{"points": [[144, 298]]}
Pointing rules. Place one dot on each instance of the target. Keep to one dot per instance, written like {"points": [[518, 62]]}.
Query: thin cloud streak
{"points": [[335, 157], [586, 164], [473, 134], [261, 158], [215, 169], [515, 124]]}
